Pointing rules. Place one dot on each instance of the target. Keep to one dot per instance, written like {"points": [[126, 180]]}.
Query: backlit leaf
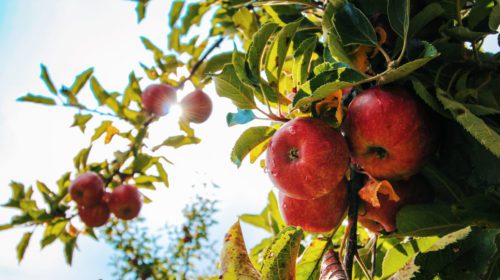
{"points": [[248, 140]]}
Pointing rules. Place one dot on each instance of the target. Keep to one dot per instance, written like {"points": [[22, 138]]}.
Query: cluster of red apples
{"points": [[95, 205], [157, 99], [387, 134]]}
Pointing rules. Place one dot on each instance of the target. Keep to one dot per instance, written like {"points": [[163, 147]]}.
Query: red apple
{"points": [[196, 106], [322, 214], [390, 133], [306, 158], [125, 202], [413, 191], [87, 189], [94, 216], [158, 98]]}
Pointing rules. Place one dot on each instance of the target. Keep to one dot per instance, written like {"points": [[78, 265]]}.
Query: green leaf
{"points": [[45, 191], [463, 33], [424, 17], [485, 135], [22, 245], [44, 75], [444, 185], [430, 100], [399, 255], [427, 220], [99, 93], [52, 232], [80, 160], [140, 9], [310, 260], [17, 190], [248, 140], [494, 19], [257, 252], [246, 21], [227, 84], [217, 62], [332, 39], [398, 12], [240, 117], [302, 60], [404, 70], [326, 83], [37, 99], [235, 263], [480, 110], [178, 141], [256, 48], [81, 121], [69, 248], [278, 51], [354, 27], [449, 239], [175, 12], [142, 162], [162, 173], [280, 257], [81, 80], [133, 91]]}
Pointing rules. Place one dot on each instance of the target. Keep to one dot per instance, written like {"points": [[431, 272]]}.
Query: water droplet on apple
{"points": [[291, 130]]}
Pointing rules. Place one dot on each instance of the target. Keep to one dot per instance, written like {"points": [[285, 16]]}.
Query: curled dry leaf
{"points": [[331, 267], [371, 189]]}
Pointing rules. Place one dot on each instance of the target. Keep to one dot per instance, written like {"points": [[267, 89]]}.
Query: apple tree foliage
{"points": [[291, 59]]}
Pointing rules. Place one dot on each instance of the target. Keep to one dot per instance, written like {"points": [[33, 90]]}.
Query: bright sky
{"points": [[36, 142]]}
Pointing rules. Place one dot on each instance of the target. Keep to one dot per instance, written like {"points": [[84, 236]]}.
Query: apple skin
{"points": [[306, 158], [196, 106], [320, 215], [94, 216], [125, 202], [87, 189], [416, 190], [158, 98], [390, 133]]}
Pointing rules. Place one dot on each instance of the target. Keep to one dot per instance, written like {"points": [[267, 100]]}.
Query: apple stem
{"points": [[353, 187]]}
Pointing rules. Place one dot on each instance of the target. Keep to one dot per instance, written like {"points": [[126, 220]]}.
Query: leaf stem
{"points": [[363, 266]]}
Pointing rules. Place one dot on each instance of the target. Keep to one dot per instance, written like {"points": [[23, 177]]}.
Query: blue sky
{"points": [[36, 142]]}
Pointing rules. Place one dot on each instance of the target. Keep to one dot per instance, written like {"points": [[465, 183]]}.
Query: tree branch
{"points": [[351, 248]]}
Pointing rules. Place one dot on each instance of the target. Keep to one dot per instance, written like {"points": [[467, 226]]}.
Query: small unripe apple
{"points": [[87, 189], [158, 98], [94, 216], [125, 202], [196, 106], [390, 132], [306, 158], [321, 215], [413, 191]]}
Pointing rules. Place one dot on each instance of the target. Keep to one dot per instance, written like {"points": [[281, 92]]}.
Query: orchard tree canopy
{"points": [[381, 136]]}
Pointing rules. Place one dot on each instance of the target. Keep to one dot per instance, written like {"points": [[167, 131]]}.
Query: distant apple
{"points": [[87, 189], [413, 191], [158, 98], [322, 214], [94, 216], [125, 202], [306, 158], [196, 106], [390, 133]]}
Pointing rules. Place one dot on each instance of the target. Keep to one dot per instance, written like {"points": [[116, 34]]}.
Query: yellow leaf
{"points": [[235, 263], [110, 132], [373, 187]]}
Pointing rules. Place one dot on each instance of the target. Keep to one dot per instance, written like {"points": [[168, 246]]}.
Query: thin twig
{"points": [[363, 266], [352, 243], [200, 61], [94, 111]]}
